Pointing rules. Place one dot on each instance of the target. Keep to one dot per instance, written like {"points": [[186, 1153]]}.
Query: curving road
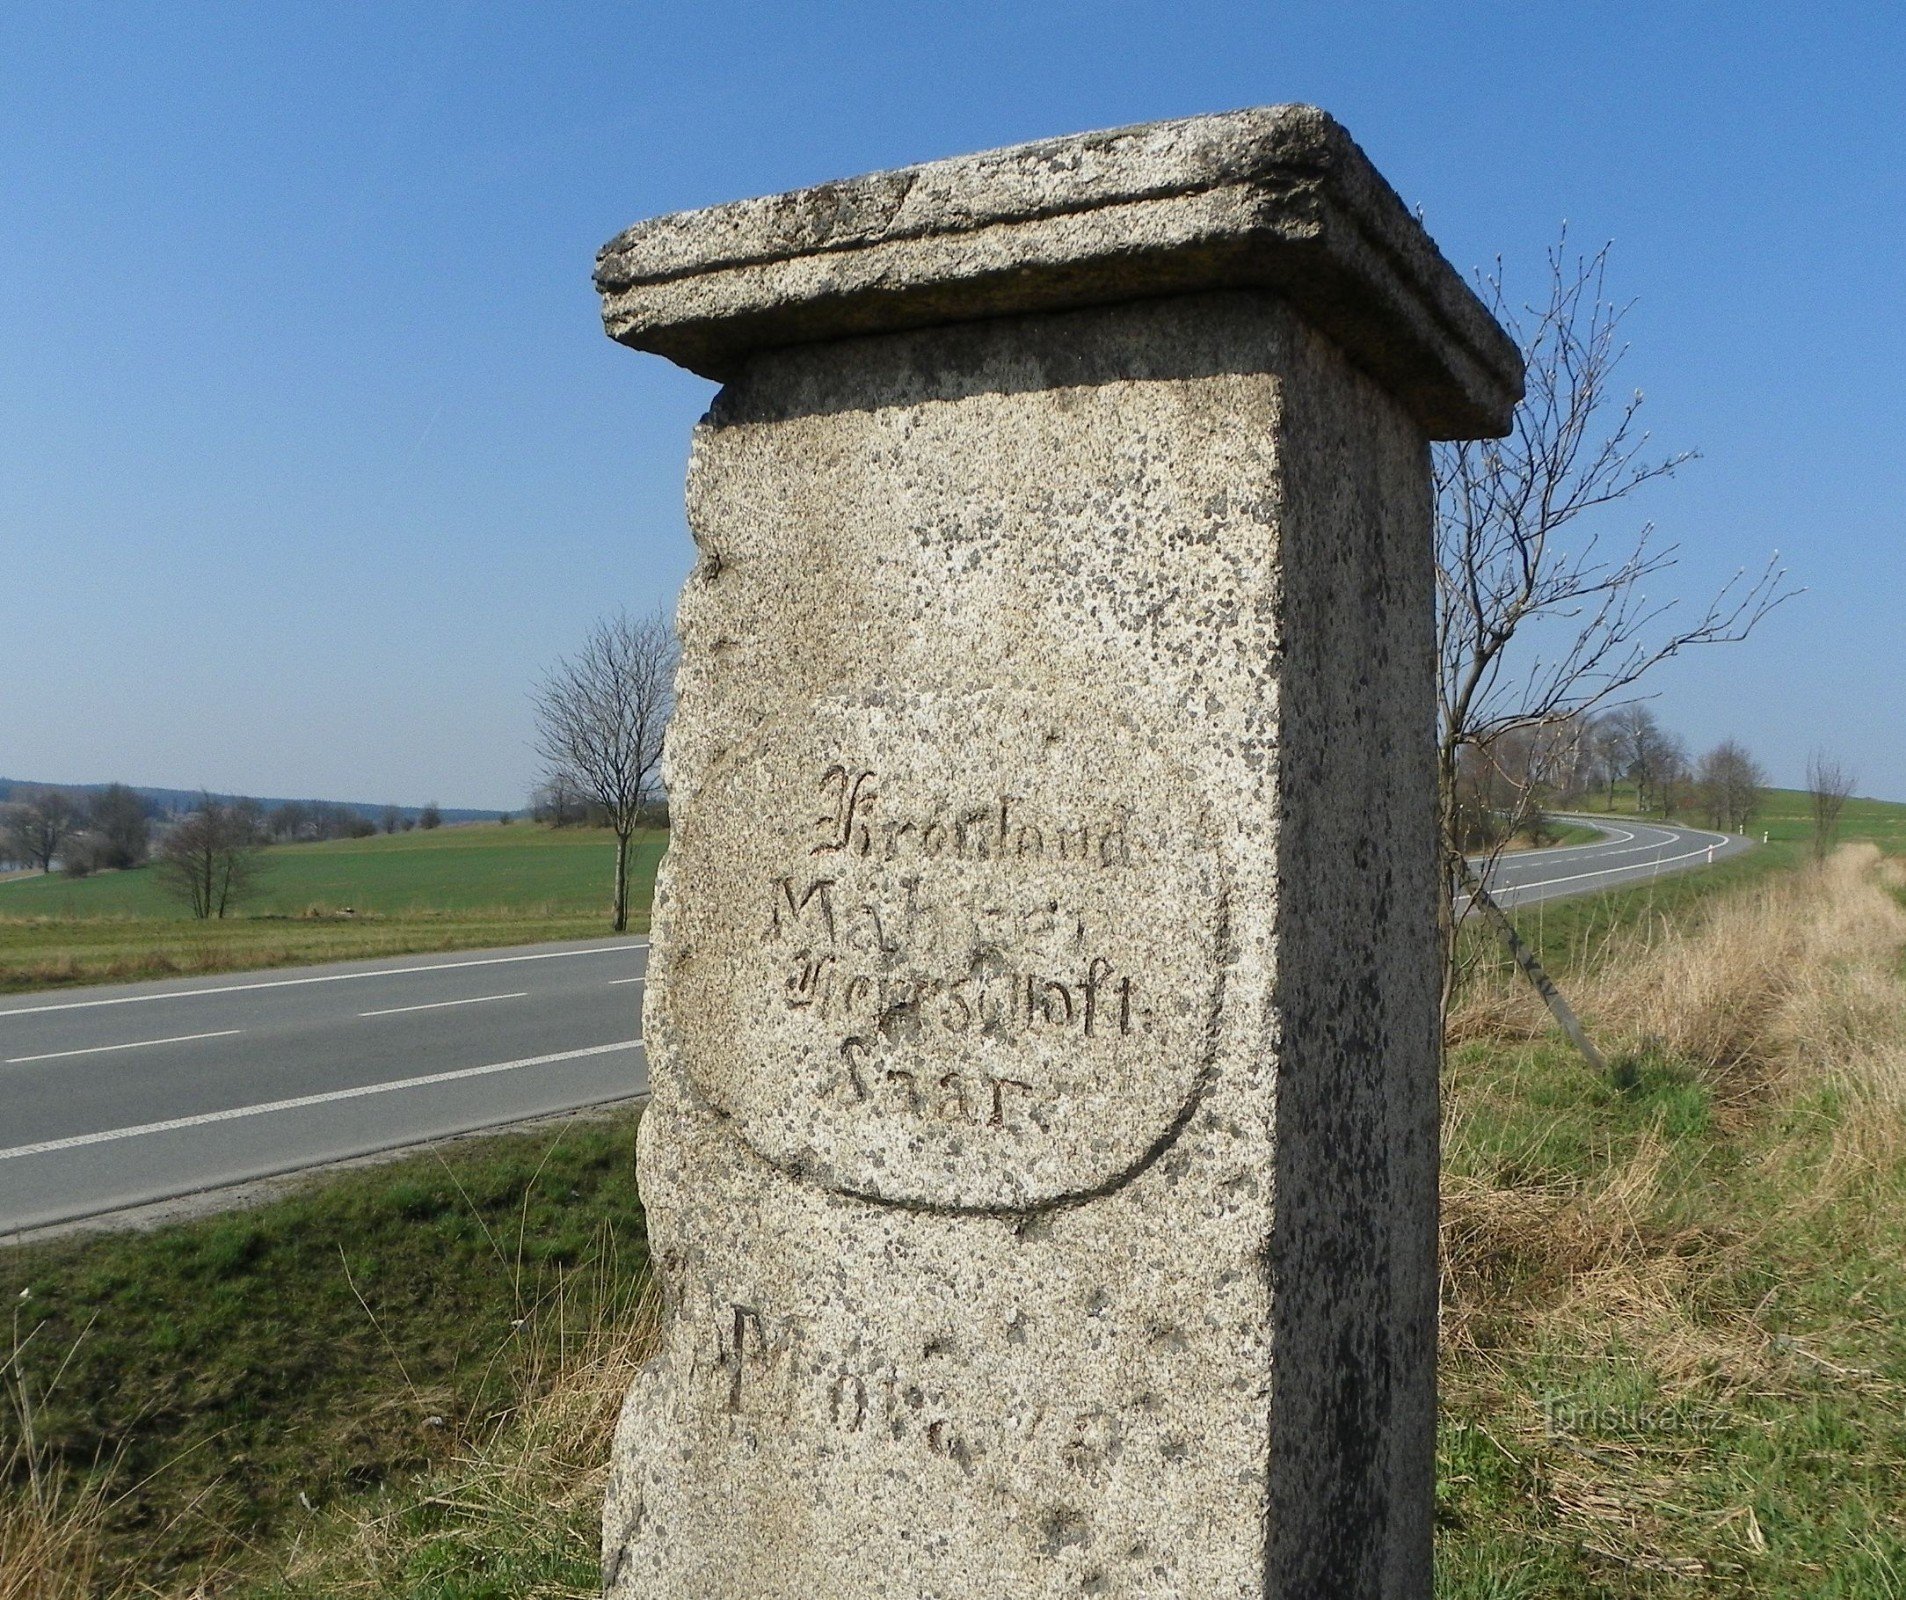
{"points": [[1628, 852], [117, 1096]]}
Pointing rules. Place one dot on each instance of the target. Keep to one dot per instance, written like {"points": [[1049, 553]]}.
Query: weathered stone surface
{"points": [[1275, 198], [1041, 1022]]}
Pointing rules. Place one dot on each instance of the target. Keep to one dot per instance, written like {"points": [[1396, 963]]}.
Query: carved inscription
{"points": [[750, 1370], [972, 965], [926, 968], [997, 831]]}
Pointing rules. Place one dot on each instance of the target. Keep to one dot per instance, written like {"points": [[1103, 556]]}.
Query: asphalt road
{"points": [[1627, 853], [115, 1096]]}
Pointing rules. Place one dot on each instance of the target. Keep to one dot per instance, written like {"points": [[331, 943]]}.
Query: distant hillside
{"points": [[171, 800]]}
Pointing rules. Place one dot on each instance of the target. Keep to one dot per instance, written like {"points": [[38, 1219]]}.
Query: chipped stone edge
{"points": [[1278, 199]]}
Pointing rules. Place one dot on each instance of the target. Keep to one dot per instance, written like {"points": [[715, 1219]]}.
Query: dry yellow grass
{"points": [[1777, 993], [1785, 985], [49, 1535], [1653, 1296], [50, 1521], [1781, 987], [519, 1503]]}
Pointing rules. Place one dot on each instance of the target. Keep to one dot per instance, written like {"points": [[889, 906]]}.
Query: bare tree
{"points": [[1731, 785], [1540, 621], [38, 824], [1644, 752], [1675, 778], [599, 719], [431, 816], [121, 828], [1604, 758], [211, 857], [559, 803], [1503, 788], [1829, 784]]}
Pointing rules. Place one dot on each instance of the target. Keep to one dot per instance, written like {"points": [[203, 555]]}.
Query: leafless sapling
{"points": [[1829, 785], [600, 716], [1542, 618], [212, 856]]}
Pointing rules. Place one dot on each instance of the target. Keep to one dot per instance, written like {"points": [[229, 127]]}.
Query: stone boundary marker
{"points": [[1043, 992]]}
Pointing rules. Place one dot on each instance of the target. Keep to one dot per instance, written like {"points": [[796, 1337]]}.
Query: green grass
{"points": [[479, 867], [446, 889], [242, 1373], [1568, 934], [1674, 1357], [1693, 1390]]}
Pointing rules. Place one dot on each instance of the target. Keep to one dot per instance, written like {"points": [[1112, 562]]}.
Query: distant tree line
{"points": [[395, 819], [314, 822], [83, 831], [1513, 782], [80, 832], [209, 854], [558, 802]]}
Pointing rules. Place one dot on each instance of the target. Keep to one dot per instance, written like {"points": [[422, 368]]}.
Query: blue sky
{"points": [[312, 452]]}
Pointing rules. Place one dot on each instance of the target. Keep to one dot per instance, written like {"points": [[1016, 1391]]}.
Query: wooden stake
{"points": [[1525, 958]]}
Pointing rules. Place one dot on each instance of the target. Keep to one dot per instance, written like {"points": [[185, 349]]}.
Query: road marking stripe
{"points": [[614, 981], [1670, 836], [327, 977], [137, 1044], [438, 1005], [1674, 833], [107, 1135], [1517, 888], [1552, 852]]}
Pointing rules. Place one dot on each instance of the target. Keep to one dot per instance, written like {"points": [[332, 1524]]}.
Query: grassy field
{"points": [[446, 889], [1674, 1356], [202, 1396], [1673, 1323], [1569, 933]]}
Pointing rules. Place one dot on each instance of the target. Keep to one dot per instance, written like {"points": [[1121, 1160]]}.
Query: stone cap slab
{"points": [[1277, 198]]}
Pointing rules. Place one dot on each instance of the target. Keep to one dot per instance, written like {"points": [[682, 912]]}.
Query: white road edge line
{"points": [[1540, 858], [136, 1044], [1669, 839], [1607, 872], [614, 981], [438, 1005], [107, 1135], [1552, 852], [327, 977]]}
